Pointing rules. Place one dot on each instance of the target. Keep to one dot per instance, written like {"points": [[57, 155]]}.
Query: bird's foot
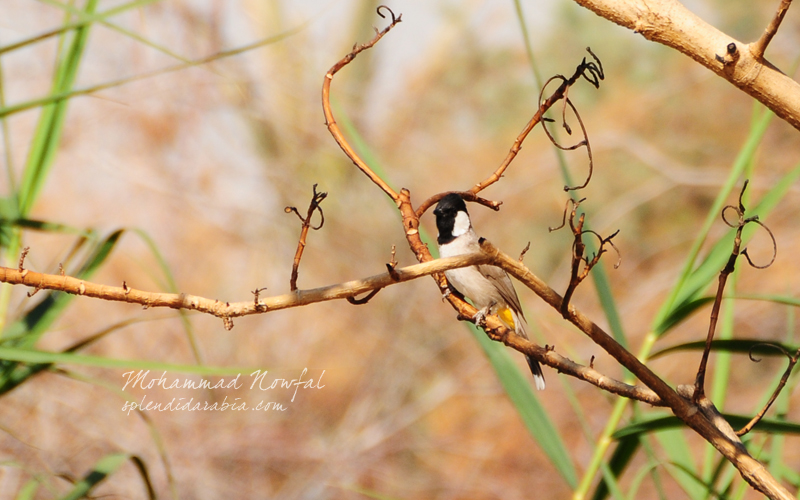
{"points": [[480, 316]]}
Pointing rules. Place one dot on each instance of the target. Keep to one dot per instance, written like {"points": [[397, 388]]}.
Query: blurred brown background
{"points": [[205, 159]]}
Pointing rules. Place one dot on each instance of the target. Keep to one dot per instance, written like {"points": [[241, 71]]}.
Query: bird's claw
{"points": [[480, 316], [445, 294]]}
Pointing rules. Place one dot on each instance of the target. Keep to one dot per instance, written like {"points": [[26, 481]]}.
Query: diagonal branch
{"points": [[750, 469], [792, 362], [760, 46], [699, 383], [670, 23], [590, 71], [223, 310], [313, 206], [330, 122]]}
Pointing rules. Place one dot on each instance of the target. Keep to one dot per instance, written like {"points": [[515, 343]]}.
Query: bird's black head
{"points": [[446, 211]]}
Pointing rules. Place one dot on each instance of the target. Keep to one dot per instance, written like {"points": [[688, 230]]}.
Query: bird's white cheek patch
{"points": [[461, 225]]}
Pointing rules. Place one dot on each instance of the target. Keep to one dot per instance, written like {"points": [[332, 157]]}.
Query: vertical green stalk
{"points": [[48, 131]]}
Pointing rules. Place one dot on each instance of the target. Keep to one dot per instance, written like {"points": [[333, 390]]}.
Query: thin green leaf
{"points": [[518, 388], [683, 471], [682, 312], [39, 225], [48, 131], [63, 96], [83, 20], [674, 443], [623, 453], [701, 277], [31, 356], [745, 156], [758, 347], [639, 477], [664, 423], [28, 491], [105, 467]]}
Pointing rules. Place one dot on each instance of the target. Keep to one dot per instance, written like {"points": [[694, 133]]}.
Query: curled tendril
{"points": [[391, 13], [583, 142], [742, 221], [593, 71], [738, 213], [314, 207], [564, 217], [766, 344], [603, 242], [774, 246]]}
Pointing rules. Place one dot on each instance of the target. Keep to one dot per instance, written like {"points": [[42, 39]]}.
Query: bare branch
{"points": [[330, 122], [792, 362], [223, 310], [760, 46], [577, 275], [466, 195], [750, 469], [591, 72], [22, 256], [670, 23], [313, 206], [699, 384]]}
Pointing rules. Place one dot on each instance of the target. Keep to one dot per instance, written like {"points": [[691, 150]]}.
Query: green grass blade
{"points": [[620, 458], [674, 443], [701, 277], [48, 131], [518, 388], [105, 467], [28, 491], [758, 347], [33, 356], [663, 423], [745, 156], [83, 20], [172, 287], [56, 97]]}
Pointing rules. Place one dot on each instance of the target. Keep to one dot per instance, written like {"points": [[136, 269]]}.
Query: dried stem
{"points": [[590, 71], [314, 206], [220, 309], [22, 255], [330, 122], [699, 384], [792, 361], [466, 195], [577, 275], [760, 46]]}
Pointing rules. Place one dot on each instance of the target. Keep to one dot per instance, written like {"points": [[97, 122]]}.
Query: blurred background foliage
{"points": [[193, 157]]}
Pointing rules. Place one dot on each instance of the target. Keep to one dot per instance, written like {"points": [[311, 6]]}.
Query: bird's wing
{"points": [[503, 283]]}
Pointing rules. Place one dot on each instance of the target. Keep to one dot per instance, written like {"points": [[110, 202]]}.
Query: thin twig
{"points": [[465, 195], [577, 275], [330, 122], [314, 206], [699, 383], [22, 256], [364, 300], [792, 361], [590, 71], [760, 46]]}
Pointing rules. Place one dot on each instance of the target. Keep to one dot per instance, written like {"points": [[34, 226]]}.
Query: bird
{"points": [[488, 287]]}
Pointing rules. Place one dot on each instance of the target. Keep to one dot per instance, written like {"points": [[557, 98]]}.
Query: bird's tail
{"points": [[519, 326], [536, 369]]}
